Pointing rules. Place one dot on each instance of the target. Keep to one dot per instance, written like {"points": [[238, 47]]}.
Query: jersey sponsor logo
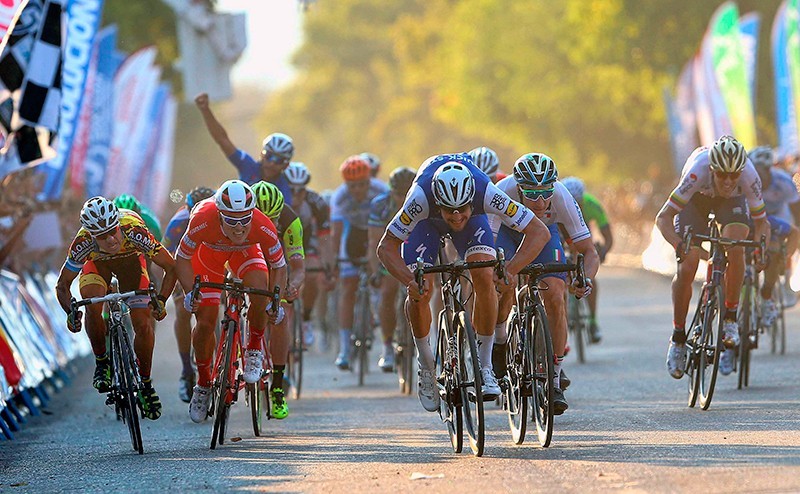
{"points": [[274, 249], [479, 233], [414, 208], [512, 209], [405, 218], [420, 250], [144, 240], [198, 228], [269, 232], [83, 245], [189, 242], [522, 217], [498, 201], [688, 183]]}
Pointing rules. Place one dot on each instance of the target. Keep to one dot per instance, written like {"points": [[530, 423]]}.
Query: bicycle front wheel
{"points": [[577, 327], [540, 365], [128, 389], [362, 325], [519, 381], [747, 326], [447, 386], [711, 346], [223, 387], [404, 351], [470, 382], [256, 397], [295, 363]]}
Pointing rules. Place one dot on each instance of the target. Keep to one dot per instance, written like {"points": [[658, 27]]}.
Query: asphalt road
{"points": [[628, 428]]}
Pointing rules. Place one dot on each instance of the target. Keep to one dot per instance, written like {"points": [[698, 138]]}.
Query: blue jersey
{"points": [[780, 193], [175, 230], [381, 210], [420, 205], [250, 172]]}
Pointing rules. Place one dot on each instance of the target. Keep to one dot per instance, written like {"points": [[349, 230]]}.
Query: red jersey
{"points": [[205, 228]]}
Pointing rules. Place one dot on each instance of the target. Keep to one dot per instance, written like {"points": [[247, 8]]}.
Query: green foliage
{"points": [[581, 80]]}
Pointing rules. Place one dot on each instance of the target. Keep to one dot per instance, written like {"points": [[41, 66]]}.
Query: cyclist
{"points": [[721, 179], [183, 319], [350, 208], [486, 159], [382, 209], [374, 164], [228, 231], [783, 212], [593, 212], [269, 201], [451, 195], [127, 201], [277, 150], [315, 217], [113, 242]]}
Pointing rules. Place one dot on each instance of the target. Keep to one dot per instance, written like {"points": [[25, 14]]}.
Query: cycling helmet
{"points": [[297, 173], [727, 155], [486, 160], [453, 185], [355, 168], [99, 215], [198, 194], [762, 157], [278, 144], [535, 169], [373, 161], [401, 179], [575, 187], [127, 201], [234, 196], [269, 199]]}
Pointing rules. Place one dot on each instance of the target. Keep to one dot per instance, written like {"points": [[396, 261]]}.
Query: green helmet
{"points": [[269, 199], [127, 201]]}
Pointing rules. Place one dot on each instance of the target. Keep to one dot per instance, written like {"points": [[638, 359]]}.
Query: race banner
{"points": [[149, 144], [785, 116], [102, 117], [792, 26], [684, 107], [727, 56], [749, 25], [83, 18], [702, 102], [161, 176]]}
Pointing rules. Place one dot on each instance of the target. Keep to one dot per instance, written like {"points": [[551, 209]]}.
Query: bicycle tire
{"points": [[361, 326], [576, 324], [541, 367], [712, 346], [256, 393], [470, 373], [450, 396], [517, 381], [222, 388], [693, 351], [745, 329], [404, 350], [128, 389], [295, 361], [781, 319]]}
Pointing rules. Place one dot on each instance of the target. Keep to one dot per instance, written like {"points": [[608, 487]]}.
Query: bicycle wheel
{"points": [[295, 362], [222, 387], [256, 396], [128, 389], [362, 324], [576, 326], [780, 321], [404, 351], [518, 388], [746, 327], [711, 346], [470, 382], [450, 402], [693, 349], [540, 365]]}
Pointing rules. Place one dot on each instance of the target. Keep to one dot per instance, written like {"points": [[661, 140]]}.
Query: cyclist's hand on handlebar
{"points": [[74, 321], [292, 292], [413, 289], [160, 312], [504, 283], [275, 317], [191, 305], [584, 290], [760, 261]]}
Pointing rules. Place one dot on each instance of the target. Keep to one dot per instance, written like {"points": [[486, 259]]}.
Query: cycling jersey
{"points": [[315, 217], [562, 210], [250, 172], [696, 178], [150, 220], [420, 205], [175, 230], [136, 240], [355, 217], [780, 194], [205, 229], [593, 211], [381, 210], [290, 231]]}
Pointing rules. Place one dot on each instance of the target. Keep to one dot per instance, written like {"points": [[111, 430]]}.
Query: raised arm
{"points": [[217, 131]]}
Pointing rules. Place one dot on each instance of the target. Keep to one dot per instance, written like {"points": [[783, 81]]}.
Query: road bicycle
{"points": [[749, 319], [777, 331], [404, 348], [126, 383], [530, 361], [294, 364], [226, 373], [578, 323], [361, 337], [458, 369]]}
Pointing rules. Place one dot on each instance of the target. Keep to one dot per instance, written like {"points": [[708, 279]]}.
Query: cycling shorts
{"points": [[131, 273], [553, 250], [779, 228], [211, 264], [475, 238], [728, 210]]}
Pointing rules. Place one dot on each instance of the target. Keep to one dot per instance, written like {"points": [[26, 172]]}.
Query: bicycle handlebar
{"points": [[151, 292], [539, 269], [232, 286], [727, 242], [459, 266]]}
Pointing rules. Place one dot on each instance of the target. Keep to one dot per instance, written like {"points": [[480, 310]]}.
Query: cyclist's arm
{"points": [[297, 272], [665, 222], [374, 235], [217, 131], [293, 250], [389, 254], [65, 278], [277, 277], [166, 262], [184, 272], [337, 229], [591, 259], [536, 237], [761, 227]]}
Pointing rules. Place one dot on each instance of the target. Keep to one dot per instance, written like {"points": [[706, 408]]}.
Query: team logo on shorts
{"points": [[405, 218], [511, 210]]}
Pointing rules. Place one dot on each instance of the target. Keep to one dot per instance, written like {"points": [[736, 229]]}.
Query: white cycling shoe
{"points": [[198, 407], [253, 366]]}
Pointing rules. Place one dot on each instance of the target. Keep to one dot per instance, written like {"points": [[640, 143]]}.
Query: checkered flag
{"points": [[40, 98]]}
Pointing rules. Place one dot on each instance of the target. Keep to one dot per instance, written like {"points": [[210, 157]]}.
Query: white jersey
{"points": [[563, 210]]}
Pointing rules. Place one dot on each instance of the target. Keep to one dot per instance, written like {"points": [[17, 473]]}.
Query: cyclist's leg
{"points": [[731, 214], [348, 276], [554, 296], [311, 289], [509, 241], [388, 320], [183, 337], [781, 231], [93, 282], [210, 266]]}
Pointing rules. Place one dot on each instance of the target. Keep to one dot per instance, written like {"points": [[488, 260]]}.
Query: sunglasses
{"points": [[729, 176], [106, 235], [243, 221], [278, 160], [536, 194], [463, 208]]}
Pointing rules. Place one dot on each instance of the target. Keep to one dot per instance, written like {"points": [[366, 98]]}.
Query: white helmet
{"points": [[297, 173], [278, 144], [235, 196], [763, 157], [535, 169], [453, 185], [727, 155], [575, 187], [99, 215], [373, 161], [485, 159]]}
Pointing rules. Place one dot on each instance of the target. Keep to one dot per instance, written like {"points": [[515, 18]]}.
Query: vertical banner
{"points": [[149, 143], [786, 118], [702, 104], [686, 140], [792, 23], [748, 32], [731, 73], [83, 17], [161, 176], [102, 121], [719, 112]]}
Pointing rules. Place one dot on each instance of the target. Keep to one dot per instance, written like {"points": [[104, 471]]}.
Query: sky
{"points": [[274, 31]]}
